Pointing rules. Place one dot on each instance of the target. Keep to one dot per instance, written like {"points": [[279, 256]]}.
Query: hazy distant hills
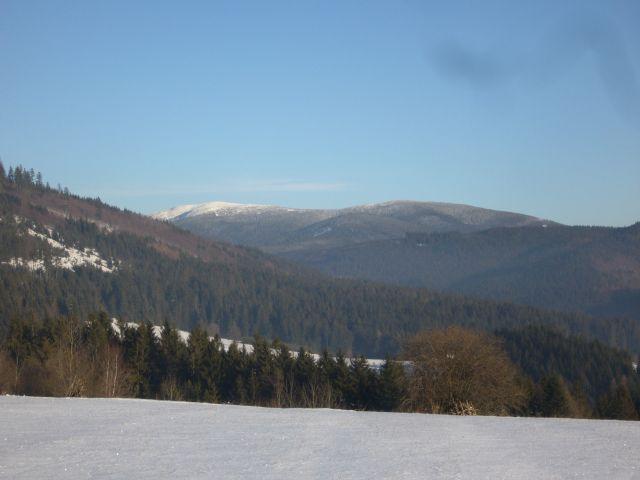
{"points": [[279, 229], [447, 247], [592, 269]]}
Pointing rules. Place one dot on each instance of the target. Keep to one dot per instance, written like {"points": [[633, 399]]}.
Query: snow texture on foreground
{"points": [[101, 438]]}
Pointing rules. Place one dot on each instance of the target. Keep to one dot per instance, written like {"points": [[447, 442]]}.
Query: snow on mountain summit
{"points": [[215, 209]]}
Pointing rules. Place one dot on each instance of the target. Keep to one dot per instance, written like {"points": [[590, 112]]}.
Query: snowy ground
{"points": [[98, 438]]}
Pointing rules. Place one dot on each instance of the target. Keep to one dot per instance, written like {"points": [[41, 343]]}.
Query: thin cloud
{"points": [[217, 189], [292, 186]]}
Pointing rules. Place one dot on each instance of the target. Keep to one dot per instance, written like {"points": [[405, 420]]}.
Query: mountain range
{"points": [[63, 254], [279, 229], [446, 247]]}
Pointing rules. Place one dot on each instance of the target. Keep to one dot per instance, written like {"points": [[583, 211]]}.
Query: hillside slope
{"points": [[63, 254], [446, 247], [590, 269]]}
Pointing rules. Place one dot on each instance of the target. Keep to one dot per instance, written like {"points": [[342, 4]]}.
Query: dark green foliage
{"points": [[392, 385], [363, 390], [588, 269], [587, 367], [551, 398], [23, 177], [66, 356], [144, 357], [156, 363], [617, 403]]}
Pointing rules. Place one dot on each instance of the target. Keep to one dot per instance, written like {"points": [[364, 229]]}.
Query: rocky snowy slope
{"points": [[66, 257], [113, 438]]}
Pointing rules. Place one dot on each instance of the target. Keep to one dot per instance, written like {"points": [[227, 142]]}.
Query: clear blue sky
{"points": [[525, 106]]}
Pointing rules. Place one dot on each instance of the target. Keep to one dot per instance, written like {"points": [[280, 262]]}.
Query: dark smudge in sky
{"points": [[591, 36]]}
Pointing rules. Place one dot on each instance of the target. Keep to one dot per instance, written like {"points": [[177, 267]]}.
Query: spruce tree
{"points": [[551, 398], [145, 362], [363, 385], [263, 370], [392, 385], [618, 404], [198, 343], [171, 358], [341, 381]]}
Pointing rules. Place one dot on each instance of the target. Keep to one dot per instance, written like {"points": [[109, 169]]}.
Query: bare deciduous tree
{"points": [[456, 370]]}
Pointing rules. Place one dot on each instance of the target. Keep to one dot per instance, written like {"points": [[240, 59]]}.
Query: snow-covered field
{"points": [[107, 438]]}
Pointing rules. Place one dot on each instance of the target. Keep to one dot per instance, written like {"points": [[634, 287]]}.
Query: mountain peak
{"points": [[282, 228], [215, 208]]}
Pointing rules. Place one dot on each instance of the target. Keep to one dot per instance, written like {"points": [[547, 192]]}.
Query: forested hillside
{"points": [[595, 270], [61, 254], [584, 375], [444, 247]]}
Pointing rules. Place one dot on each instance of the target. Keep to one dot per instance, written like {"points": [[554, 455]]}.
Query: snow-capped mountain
{"points": [[442, 246], [216, 209], [280, 229]]}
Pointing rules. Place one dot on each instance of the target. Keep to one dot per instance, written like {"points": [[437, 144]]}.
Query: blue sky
{"points": [[525, 106]]}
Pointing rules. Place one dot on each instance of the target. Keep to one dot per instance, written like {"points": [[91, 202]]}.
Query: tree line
{"points": [[449, 370]]}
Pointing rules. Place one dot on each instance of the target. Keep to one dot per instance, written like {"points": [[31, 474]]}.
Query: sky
{"points": [[531, 107]]}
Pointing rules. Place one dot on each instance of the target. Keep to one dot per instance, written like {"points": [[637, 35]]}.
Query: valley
{"points": [[444, 247]]}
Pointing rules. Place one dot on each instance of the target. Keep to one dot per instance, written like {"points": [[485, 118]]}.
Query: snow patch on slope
{"points": [[70, 258], [374, 363]]}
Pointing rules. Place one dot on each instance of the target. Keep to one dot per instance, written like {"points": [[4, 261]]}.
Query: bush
{"points": [[456, 370]]}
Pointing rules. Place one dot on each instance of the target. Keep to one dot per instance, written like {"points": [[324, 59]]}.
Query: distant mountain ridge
{"points": [[279, 229], [446, 247]]}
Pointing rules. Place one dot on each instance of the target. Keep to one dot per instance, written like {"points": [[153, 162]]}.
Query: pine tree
{"points": [[234, 373], [197, 350], [283, 375], [172, 363], [146, 378], [618, 404], [392, 385], [263, 372], [551, 398], [363, 385], [341, 381]]}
